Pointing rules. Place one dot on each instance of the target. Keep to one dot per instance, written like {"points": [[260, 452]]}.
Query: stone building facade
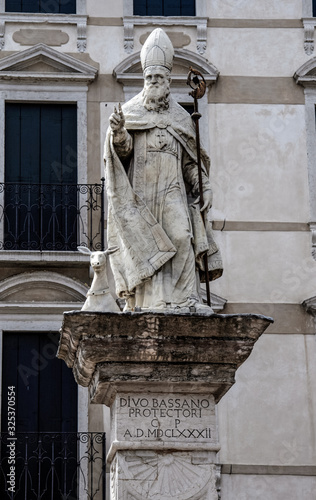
{"points": [[258, 125]]}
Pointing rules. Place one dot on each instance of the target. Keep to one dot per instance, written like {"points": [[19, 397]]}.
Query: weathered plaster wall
{"points": [[274, 408]]}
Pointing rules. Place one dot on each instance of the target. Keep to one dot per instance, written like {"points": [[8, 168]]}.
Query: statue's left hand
{"points": [[208, 200]]}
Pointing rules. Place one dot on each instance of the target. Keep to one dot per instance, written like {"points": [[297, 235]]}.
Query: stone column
{"points": [[162, 376]]}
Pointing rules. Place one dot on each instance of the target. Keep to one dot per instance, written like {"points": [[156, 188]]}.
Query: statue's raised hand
{"points": [[117, 119]]}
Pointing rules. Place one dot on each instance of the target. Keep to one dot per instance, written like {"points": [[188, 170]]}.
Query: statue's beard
{"points": [[156, 98]]}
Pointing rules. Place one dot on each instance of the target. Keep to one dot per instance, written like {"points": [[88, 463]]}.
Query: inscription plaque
{"points": [[173, 417]]}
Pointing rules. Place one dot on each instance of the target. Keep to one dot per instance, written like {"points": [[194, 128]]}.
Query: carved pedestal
{"points": [[162, 376]]}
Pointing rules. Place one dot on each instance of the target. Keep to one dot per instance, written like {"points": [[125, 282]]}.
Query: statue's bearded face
{"points": [[156, 88]]}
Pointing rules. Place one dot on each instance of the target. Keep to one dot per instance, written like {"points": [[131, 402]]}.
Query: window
{"points": [[45, 389], [164, 8], [314, 8], [45, 402], [40, 176], [41, 6]]}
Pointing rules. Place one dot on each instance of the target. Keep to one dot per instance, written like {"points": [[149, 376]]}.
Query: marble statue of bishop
{"points": [[152, 187]]}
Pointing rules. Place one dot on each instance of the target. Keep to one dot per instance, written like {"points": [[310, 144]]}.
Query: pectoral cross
{"points": [[161, 139]]}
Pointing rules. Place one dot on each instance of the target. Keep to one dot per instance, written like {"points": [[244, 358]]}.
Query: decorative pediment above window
{"points": [[306, 74], [44, 64], [309, 23], [200, 23], [129, 72], [41, 287]]}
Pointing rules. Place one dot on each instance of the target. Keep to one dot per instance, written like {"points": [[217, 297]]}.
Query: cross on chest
{"points": [[161, 138]]}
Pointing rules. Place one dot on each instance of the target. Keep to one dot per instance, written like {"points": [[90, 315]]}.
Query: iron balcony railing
{"points": [[53, 466], [56, 217]]}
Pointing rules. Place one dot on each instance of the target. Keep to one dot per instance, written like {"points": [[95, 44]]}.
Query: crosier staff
{"points": [[196, 81]]}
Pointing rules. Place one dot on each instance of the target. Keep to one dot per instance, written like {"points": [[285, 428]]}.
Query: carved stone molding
{"points": [[309, 28], [309, 23], [56, 66], [28, 37], [43, 19], [129, 71], [218, 303], [24, 287], [306, 76], [199, 22], [95, 347], [178, 39]]}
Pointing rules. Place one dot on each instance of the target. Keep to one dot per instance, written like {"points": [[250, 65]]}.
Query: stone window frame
{"points": [[68, 84], [306, 76], [309, 23], [199, 21], [79, 19], [41, 317]]}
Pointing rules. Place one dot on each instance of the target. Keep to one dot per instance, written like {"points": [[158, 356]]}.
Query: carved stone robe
{"points": [[149, 174]]}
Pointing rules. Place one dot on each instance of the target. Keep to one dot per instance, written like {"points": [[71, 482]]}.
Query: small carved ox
{"points": [[99, 297]]}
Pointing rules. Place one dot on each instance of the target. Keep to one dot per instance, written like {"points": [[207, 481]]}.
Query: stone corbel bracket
{"points": [[20, 17], [309, 28], [199, 22], [129, 71]]}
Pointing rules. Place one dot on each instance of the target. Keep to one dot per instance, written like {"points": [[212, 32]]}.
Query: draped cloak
{"points": [[144, 245]]}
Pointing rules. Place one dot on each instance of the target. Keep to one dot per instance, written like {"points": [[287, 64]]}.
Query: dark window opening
{"points": [[314, 8], [41, 6], [40, 176], [188, 107], [164, 8]]}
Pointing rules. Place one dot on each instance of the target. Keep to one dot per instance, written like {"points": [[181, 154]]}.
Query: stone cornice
{"points": [[199, 22], [105, 349], [21, 17], [305, 75]]}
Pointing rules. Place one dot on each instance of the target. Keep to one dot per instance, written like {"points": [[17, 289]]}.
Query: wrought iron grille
{"points": [[51, 216], [53, 466]]}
